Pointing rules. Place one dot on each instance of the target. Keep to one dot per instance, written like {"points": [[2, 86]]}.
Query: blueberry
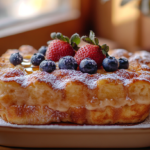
{"points": [[123, 63], [67, 62], [110, 64], [37, 58], [88, 65], [42, 50], [16, 59], [48, 66]]}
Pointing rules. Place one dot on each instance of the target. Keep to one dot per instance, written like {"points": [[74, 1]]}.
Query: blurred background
{"points": [[118, 23]]}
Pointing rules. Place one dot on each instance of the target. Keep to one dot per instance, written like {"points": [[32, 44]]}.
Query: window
{"points": [[22, 15]]}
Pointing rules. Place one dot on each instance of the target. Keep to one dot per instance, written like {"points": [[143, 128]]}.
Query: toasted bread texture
{"points": [[36, 97]]}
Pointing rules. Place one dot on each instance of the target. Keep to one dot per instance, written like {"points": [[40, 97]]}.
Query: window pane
{"points": [[14, 11]]}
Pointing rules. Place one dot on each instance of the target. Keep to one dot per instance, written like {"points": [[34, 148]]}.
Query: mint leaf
{"points": [[75, 38]]}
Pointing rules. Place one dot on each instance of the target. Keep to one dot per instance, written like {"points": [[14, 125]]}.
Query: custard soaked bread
{"points": [[66, 95]]}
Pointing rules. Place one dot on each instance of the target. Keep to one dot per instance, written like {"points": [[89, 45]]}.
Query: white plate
{"points": [[75, 135]]}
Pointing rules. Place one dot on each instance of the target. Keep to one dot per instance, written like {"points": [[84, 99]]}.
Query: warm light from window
{"points": [[26, 9], [124, 14]]}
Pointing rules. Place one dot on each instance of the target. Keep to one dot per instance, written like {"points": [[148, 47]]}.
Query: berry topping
{"points": [[61, 46], [58, 49], [93, 50], [67, 62], [43, 50], [110, 64], [16, 59], [90, 51], [123, 63], [37, 58], [48, 66], [88, 65]]}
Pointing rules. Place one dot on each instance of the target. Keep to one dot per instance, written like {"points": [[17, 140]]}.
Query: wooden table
{"points": [[8, 148]]}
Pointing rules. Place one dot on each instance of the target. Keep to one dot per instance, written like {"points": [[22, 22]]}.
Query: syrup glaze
{"points": [[34, 85], [59, 79]]}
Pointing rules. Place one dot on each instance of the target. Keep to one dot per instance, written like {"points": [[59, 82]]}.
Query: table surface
{"points": [[9, 148]]}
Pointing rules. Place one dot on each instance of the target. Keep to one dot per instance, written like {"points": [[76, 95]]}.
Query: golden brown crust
{"points": [[79, 115], [25, 50], [70, 96]]}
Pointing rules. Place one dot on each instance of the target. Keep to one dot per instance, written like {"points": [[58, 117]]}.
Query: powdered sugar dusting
{"points": [[121, 53], [141, 57], [59, 78], [145, 67], [12, 74], [145, 56]]}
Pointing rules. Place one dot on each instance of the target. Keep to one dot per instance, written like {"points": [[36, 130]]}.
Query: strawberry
{"points": [[92, 50], [58, 49], [61, 46]]}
